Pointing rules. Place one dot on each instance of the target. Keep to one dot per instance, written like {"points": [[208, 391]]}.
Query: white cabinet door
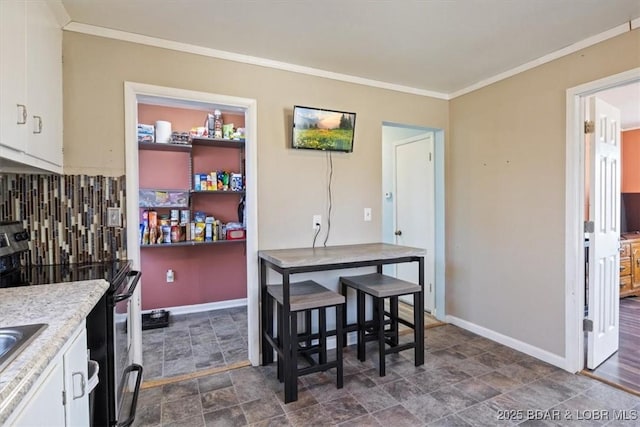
{"points": [[44, 83], [13, 95], [45, 406], [76, 381]]}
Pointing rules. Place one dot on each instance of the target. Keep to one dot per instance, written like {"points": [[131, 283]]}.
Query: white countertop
{"points": [[63, 307], [303, 257]]}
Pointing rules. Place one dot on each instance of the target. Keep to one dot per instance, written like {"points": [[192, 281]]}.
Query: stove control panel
{"points": [[13, 238]]}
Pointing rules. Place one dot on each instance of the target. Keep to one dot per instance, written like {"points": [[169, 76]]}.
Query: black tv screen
{"points": [[322, 129]]}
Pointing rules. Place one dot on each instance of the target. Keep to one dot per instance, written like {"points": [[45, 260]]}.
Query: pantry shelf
{"points": [[216, 142], [216, 192], [192, 243], [155, 146]]}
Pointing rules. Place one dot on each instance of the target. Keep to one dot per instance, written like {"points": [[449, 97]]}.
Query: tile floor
{"points": [[466, 380], [195, 342]]}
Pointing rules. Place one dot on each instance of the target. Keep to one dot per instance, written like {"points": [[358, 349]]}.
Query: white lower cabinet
{"points": [[45, 407], [60, 396], [76, 364]]}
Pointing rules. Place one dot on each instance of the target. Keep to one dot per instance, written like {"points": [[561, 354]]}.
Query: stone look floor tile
{"points": [[460, 370], [190, 343], [341, 410], [177, 410], [260, 409], [227, 417]]}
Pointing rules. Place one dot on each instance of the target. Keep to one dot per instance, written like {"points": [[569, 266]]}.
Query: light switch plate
{"points": [[113, 217]]}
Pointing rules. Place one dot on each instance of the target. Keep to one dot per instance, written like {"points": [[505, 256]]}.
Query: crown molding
{"points": [[246, 59], [616, 31], [268, 63]]}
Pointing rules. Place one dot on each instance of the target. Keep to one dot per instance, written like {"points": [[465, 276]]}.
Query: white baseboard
{"points": [[532, 351], [198, 308]]}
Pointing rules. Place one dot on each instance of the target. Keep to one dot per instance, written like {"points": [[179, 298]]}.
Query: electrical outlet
{"points": [[367, 214], [170, 276], [317, 220], [113, 217]]}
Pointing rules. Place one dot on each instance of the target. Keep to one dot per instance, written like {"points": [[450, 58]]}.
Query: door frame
{"points": [[574, 212], [439, 311], [132, 91]]}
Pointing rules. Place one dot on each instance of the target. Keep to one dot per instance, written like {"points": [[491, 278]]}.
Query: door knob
{"points": [[398, 233]]}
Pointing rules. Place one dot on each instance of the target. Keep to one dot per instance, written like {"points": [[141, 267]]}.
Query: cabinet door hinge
{"points": [[589, 227], [429, 156], [64, 398], [587, 325], [589, 126]]}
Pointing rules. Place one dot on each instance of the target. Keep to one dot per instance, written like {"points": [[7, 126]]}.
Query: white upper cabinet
{"points": [[13, 66], [30, 85]]}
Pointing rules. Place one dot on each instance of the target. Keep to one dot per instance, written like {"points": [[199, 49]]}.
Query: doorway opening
{"points": [[413, 158], [576, 203], [134, 93]]}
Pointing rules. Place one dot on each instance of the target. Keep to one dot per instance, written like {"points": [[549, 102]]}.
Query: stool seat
{"points": [[381, 286], [306, 295]]}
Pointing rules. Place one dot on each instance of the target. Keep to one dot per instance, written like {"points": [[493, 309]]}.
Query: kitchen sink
{"points": [[14, 339]]}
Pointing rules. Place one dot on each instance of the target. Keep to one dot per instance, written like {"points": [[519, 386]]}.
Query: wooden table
{"points": [[304, 260]]}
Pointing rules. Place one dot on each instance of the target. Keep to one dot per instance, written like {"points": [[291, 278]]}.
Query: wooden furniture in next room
{"points": [[629, 264]]}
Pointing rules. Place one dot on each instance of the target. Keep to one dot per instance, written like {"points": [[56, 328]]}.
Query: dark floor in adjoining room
{"points": [[623, 367], [195, 342], [466, 380]]}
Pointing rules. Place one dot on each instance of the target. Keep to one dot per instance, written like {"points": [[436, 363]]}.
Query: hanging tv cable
{"points": [[330, 168]]}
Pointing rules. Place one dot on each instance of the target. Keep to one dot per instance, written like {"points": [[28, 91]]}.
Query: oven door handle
{"points": [[132, 287], [134, 367]]}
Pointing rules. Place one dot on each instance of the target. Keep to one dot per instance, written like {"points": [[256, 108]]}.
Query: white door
{"points": [[414, 208], [604, 212]]}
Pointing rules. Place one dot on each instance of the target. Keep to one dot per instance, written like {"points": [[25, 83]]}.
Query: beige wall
{"points": [[292, 183], [505, 164], [506, 195]]}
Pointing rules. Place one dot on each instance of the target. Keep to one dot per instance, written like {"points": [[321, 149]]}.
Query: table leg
{"points": [[266, 309], [340, 309], [381, 340], [289, 336], [419, 320], [291, 361], [361, 325], [343, 290], [394, 320]]}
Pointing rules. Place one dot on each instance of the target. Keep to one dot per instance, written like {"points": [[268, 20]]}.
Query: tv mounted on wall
{"points": [[322, 129]]}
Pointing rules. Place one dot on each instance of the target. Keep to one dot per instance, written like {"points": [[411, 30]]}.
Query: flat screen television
{"points": [[322, 129]]}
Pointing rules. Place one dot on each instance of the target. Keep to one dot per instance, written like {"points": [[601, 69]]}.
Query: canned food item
{"points": [[236, 182], [166, 234], [198, 232], [164, 220], [176, 233], [185, 216], [208, 232]]}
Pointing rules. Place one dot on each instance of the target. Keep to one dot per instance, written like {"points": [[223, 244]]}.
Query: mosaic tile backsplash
{"points": [[66, 215]]}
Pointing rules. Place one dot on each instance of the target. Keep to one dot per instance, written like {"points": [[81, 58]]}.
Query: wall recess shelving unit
{"points": [[206, 271]]}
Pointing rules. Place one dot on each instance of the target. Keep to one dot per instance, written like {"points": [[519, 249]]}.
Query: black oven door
{"points": [[127, 375]]}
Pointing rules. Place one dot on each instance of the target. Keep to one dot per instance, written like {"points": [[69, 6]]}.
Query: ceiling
{"points": [[437, 46]]}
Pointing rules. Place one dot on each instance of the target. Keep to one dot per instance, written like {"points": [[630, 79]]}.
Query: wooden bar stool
{"points": [[305, 297], [381, 287]]}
